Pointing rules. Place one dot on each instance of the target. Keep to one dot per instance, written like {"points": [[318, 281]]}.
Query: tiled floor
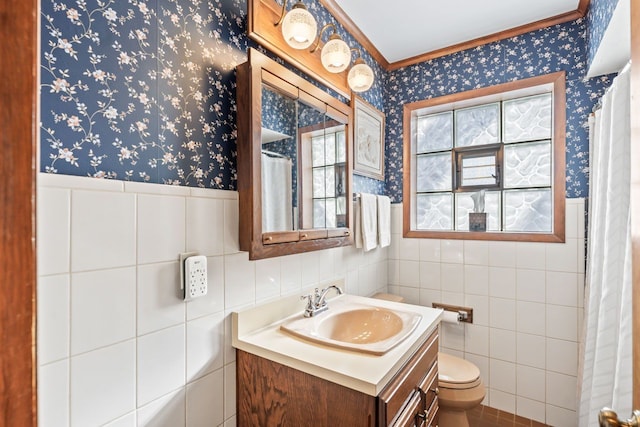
{"points": [[483, 416]]}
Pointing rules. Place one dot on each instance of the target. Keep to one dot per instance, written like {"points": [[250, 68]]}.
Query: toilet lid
{"points": [[455, 372]]}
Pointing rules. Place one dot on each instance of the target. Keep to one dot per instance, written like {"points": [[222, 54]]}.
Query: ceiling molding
{"points": [[583, 6], [353, 29]]}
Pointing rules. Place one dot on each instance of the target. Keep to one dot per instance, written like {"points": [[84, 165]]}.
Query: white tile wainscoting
{"points": [[116, 345], [527, 300]]}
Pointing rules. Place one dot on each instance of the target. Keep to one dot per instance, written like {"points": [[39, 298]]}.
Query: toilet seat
{"points": [[456, 373]]}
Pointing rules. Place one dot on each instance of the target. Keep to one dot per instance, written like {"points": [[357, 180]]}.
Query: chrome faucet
{"points": [[316, 303]]}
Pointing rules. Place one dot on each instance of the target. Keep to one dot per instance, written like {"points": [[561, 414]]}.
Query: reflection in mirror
{"points": [[279, 161], [324, 175], [294, 162], [291, 127]]}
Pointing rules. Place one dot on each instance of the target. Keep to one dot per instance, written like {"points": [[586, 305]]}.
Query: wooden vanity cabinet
{"points": [[271, 394]]}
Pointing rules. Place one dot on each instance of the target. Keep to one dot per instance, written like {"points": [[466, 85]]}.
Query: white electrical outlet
{"points": [[195, 277]]}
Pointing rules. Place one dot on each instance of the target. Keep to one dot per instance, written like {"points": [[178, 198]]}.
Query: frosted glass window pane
{"points": [[341, 148], [527, 119], [434, 212], [478, 170], [478, 125], [434, 172], [330, 181], [318, 183], [331, 213], [317, 151], [527, 165], [318, 213], [528, 211], [330, 150], [435, 132], [464, 205]]}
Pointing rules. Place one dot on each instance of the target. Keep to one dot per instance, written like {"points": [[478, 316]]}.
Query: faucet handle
{"points": [[309, 299]]}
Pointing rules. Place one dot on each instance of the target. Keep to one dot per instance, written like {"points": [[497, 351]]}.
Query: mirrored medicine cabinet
{"points": [[294, 162]]}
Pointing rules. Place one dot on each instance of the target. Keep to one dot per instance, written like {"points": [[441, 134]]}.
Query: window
{"points": [[501, 148]]}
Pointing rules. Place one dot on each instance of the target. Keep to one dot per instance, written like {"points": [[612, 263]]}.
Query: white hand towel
{"points": [[384, 221], [369, 218]]}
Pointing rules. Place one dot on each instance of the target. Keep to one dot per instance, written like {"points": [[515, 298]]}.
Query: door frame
{"points": [[18, 118], [18, 124], [635, 195]]}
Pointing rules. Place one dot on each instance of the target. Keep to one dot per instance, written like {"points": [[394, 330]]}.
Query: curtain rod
{"points": [[274, 154]]}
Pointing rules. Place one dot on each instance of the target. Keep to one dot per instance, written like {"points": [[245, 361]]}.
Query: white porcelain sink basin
{"points": [[354, 326]]}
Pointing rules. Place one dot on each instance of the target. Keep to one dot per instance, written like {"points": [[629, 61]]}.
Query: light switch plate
{"points": [[193, 275]]}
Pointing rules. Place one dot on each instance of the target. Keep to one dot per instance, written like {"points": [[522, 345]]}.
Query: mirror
{"points": [[294, 162]]}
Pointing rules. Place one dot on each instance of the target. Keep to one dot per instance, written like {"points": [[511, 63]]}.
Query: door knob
{"points": [[608, 418]]}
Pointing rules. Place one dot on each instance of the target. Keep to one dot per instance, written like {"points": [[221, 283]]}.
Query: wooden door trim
{"points": [[18, 113], [635, 194]]}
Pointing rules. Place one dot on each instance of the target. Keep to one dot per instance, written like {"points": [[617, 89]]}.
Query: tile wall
{"points": [[527, 300], [116, 345]]}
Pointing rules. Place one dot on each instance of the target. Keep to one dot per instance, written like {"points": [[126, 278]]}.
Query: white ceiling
{"points": [[400, 29]]}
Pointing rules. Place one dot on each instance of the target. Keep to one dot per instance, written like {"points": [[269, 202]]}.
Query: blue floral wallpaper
{"points": [[144, 90], [560, 47], [598, 18]]}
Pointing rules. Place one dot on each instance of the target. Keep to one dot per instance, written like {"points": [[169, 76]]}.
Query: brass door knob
{"points": [[608, 418]]}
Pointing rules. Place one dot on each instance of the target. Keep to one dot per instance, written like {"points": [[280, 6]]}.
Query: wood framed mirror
{"points": [[294, 162]]}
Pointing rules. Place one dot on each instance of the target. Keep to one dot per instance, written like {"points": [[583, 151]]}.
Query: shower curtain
{"points": [[606, 356]]}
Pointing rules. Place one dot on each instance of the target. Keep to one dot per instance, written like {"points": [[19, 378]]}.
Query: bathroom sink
{"points": [[364, 328]]}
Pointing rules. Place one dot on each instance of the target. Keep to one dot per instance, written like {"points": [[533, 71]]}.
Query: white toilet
{"points": [[459, 385], [459, 390]]}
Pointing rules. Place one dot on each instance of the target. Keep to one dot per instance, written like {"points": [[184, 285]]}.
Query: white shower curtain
{"points": [[606, 359]]}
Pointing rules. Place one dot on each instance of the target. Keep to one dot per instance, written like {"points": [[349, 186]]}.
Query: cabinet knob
{"points": [[304, 236], [435, 390], [268, 239]]}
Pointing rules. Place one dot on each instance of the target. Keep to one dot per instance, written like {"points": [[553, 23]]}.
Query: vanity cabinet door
{"points": [[270, 394], [428, 389], [402, 390]]}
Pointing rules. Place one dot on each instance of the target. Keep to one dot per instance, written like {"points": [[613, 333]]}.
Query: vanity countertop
{"points": [[257, 331]]}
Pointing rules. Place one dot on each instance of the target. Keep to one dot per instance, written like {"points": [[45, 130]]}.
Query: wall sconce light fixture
{"points": [[299, 27], [360, 77], [335, 54]]}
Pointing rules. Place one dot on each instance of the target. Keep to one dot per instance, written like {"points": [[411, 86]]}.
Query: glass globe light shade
{"points": [[335, 55], [360, 77], [299, 27]]}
